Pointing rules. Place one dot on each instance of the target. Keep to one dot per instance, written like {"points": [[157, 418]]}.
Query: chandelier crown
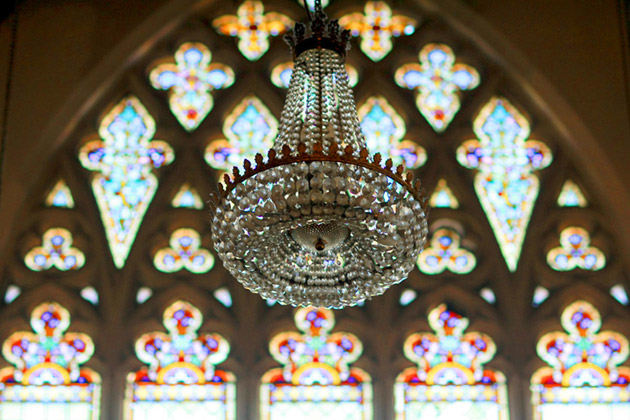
{"points": [[325, 34]]}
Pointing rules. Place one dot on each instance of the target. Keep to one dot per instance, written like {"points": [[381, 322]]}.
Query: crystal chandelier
{"points": [[318, 221]]}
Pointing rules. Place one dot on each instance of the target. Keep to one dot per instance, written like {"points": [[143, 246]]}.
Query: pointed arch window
{"points": [[181, 381], [48, 382], [450, 381], [583, 379], [316, 380]]}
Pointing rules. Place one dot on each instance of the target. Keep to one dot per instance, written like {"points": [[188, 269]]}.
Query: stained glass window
{"points": [[571, 195], [281, 75], [617, 291], [443, 196], [60, 196], [376, 27], [48, 382], [12, 293], [488, 295], [253, 27], [188, 198], [316, 380], [407, 296], [384, 130], [250, 128], [540, 295], [445, 253], [583, 379], [505, 182], [56, 251], [450, 381], [124, 160], [181, 381], [190, 80], [184, 252], [575, 251], [437, 81]]}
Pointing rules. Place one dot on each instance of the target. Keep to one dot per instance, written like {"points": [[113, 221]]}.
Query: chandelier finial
{"points": [[325, 33]]}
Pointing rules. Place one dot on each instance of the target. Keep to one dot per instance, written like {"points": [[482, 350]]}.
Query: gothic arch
{"points": [[249, 323]]}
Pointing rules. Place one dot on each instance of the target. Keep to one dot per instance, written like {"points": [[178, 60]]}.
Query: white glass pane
{"points": [[45, 411], [176, 410], [613, 411], [316, 411], [456, 410]]}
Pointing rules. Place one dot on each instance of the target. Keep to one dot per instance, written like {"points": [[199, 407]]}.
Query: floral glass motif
{"points": [[571, 195], [376, 27], [505, 182], [187, 198], [55, 251], [384, 130], [48, 381], [250, 129], [253, 27], [184, 252], [181, 380], [60, 196], [575, 252], [316, 380], [281, 75], [190, 81], [450, 381], [443, 196], [445, 253], [583, 378], [124, 160], [437, 81]]}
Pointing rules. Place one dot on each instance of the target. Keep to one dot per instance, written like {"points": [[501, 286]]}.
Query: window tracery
{"points": [[583, 378], [124, 160], [181, 380], [376, 27], [450, 381], [60, 196], [437, 81], [190, 80], [505, 161], [575, 251], [184, 251], [48, 381], [253, 28], [56, 251], [316, 379], [250, 128], [253, 133]]}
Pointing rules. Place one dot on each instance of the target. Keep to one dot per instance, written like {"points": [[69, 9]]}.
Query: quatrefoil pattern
{"points": [[184, 252], [315, 356], [181, 355], [445, 253], [575, 252], [376, 27], [253, 28], [49, 355], [449, 356], [582, 356], [189, 80], [55, 251], [437, 80]]}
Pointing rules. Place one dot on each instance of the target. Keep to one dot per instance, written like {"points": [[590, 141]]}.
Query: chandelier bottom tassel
{"points": [[319, 222]]}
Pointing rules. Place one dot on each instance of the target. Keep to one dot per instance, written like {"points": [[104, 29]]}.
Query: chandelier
{"points": [[319, 221]]}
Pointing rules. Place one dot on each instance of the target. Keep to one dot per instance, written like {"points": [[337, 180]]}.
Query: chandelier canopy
{"points": [[318, 221]]}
